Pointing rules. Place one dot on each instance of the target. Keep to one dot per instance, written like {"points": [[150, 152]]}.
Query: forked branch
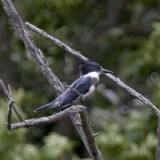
{"points": [[11, 104], [37, 55], [118, 82]]}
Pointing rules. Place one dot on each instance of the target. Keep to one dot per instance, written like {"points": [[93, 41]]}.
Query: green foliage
{"points": [[144, 59], [127, 140], [56, 147], [14, 144]]}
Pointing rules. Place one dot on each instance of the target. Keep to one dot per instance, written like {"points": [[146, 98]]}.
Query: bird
{"points": [[80, 88]]}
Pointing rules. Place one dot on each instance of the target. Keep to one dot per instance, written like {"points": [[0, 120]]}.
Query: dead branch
{"points": [[50, 119], [34, 52], [56, 41], [37, 55], [93, 148], [11, 104], [134, 93]]}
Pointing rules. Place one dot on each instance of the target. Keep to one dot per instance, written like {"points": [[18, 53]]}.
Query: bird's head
{"points": [[90, 66]]}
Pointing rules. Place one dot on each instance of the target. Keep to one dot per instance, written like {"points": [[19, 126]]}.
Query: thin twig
{"points": [[56, 41], [11, 103], [18, 112], [10, 106], [80, 95], [96, 134], [4, 90], [15, 108], [134, 93]]}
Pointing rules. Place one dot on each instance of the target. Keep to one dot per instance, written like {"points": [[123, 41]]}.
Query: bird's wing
{"points": [[80, 86]]}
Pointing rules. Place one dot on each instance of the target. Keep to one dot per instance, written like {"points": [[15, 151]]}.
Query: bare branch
{"points": [[87, 131], [35, 53], [56, 41], [50, 119], [11, 104], [4, 90], [80, 95], [87, 136], [134, 93], [42, 63]]}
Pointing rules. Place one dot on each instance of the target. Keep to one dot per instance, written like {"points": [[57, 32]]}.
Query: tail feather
{"points": [[47, 106]]}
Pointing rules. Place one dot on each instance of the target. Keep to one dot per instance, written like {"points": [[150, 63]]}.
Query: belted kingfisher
{"points": [[80, 88]]}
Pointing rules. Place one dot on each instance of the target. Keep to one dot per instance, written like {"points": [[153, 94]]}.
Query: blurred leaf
{"points": [[56, 147]]}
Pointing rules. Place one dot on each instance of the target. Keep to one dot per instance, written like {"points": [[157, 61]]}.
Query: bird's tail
{"points": [[47, 106]]}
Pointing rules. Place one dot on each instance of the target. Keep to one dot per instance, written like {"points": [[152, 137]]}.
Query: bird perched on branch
{"points": [[80, 88]]}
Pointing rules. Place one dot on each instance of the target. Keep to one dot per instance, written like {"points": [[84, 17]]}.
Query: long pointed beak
{"points": [[105, 71]]}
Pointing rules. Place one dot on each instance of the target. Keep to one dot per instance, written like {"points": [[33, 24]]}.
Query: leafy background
{"points": [[123, 36]]}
